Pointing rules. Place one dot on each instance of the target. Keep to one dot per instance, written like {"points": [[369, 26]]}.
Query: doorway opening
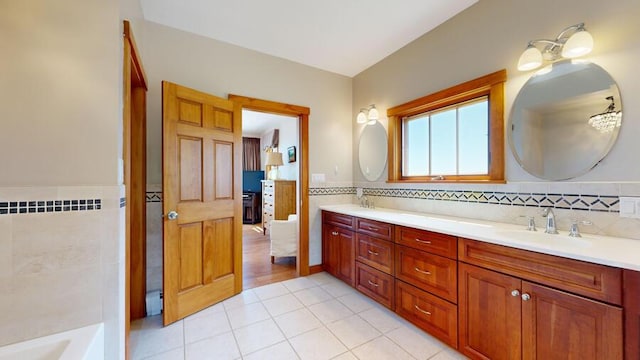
{"points": [[269, 181], [301, 169]]}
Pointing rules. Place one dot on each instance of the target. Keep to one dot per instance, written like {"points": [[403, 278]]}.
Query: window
{"points": [[453, 135]]}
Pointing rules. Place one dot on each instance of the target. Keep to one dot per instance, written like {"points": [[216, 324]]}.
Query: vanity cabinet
{"points": [[510, 308], [426, 281], [374, 260], [338, 246]]}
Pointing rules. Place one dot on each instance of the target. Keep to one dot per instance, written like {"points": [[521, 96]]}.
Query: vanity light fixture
{"points": [[608, 120], [572, 42], [368, 115]]}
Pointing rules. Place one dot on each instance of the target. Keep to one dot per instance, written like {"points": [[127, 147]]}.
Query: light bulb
{"points": [[580, 43], [362, 117], [373, 113], [530, 59]]}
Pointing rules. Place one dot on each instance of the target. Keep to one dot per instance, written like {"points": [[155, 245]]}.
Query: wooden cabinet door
{"points": [[559, 325], [339, 253], [489, 314], [347, 262]]}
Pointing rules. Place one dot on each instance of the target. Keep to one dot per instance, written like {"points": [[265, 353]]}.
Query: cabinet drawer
{"points": [[337, 219], [433, 273], [430, 313], [435, 243], [595, 281], [375, 252], [375, 284], [375, 228]]}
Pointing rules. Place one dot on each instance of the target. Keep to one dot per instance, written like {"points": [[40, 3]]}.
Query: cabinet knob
{"points": [[515, 293], [526, 297], [334, 233]]}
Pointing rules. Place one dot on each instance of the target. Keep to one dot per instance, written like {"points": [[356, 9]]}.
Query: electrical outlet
{"points": [[630, 207]]}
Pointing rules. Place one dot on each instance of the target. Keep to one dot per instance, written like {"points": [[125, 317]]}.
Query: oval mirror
{"points": [[564, 120], [372, 151]]}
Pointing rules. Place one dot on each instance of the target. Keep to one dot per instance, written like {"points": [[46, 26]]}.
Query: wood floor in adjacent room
{"points": [[257, 267]]}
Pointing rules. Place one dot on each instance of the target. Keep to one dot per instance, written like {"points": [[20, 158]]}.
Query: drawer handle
{"points": [[423, 241], [422, 311], [373, 228], [373, 252], [334, 233], [422, 271], [372, 283]]}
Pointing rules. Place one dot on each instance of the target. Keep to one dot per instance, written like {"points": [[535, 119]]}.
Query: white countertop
{"points": [[605, 250]]}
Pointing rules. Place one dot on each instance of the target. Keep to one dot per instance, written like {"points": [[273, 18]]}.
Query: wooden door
{"points": [[559, 325], [489, 314], [201, 166]]}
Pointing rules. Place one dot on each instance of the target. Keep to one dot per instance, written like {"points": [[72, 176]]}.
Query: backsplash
{"points": [[41, 206]]}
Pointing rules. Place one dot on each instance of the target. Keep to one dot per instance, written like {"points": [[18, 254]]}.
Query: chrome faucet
{"points": [[551, 221], [364, 201]]}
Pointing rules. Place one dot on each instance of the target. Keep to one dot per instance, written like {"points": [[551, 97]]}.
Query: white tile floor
{"points": [[314, 317]]}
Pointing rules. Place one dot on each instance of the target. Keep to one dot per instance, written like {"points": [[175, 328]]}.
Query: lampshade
{"points": [[580, 43], [362, 117], [274, 159], [530, 59], [373, 113]]}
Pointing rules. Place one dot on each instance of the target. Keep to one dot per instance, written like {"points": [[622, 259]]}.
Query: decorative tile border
{"points": [[332, 191], [123, 202], [48, 206], [586, 202], [154, 196]]}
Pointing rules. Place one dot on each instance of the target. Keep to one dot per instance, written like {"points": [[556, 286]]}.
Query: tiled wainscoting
{"points": [[61, 262]]}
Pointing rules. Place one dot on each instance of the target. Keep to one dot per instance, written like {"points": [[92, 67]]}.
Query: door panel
{"points": [[202, 141], [489, 316], [558, 325]]}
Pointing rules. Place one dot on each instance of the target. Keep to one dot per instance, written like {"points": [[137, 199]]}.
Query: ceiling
{"points": [[341, 36], [258, 123]]}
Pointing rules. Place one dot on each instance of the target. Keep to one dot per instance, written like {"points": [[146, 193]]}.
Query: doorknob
{"points": [[172, 215]]}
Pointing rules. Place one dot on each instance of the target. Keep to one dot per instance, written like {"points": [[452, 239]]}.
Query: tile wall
{"points": [[62, 262]]}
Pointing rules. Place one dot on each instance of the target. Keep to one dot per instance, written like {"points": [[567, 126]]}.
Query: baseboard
{"points": [[314, 269]]}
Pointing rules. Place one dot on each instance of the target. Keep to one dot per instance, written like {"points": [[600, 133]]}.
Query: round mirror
{"points": [[372, 151], [564, 120]]}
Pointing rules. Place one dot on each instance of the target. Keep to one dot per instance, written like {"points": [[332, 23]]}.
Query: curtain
{"points": [[250, 154]]}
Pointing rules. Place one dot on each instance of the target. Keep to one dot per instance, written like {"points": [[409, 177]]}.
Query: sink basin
{"points": [[540, 237]]}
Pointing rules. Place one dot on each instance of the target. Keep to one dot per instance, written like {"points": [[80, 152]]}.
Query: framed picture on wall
{"points": [[291, 151]]}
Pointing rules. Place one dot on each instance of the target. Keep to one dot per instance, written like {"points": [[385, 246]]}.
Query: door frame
{"points": [[302, 113], [134, 155]]}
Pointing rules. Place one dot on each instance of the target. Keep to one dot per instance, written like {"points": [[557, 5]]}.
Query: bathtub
{"points": [[86, 343]]}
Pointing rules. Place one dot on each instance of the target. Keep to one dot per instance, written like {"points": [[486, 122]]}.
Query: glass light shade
{"points": [[372, 122], [361, 118], [373, 113], [580, 43], [530, 59]]}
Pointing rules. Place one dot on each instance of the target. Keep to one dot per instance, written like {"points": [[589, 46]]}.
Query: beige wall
{"points": [[219, 68], [61, 111], [490, 36]]}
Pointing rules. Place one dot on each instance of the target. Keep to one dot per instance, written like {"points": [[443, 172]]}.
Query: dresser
{"points": [[278, 201]]}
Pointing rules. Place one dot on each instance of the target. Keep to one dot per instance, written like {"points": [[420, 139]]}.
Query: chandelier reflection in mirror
{"points": [[608, 120]]}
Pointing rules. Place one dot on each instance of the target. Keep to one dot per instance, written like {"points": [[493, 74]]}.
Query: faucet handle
{"points": [[531, 222], [574, 231]]}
